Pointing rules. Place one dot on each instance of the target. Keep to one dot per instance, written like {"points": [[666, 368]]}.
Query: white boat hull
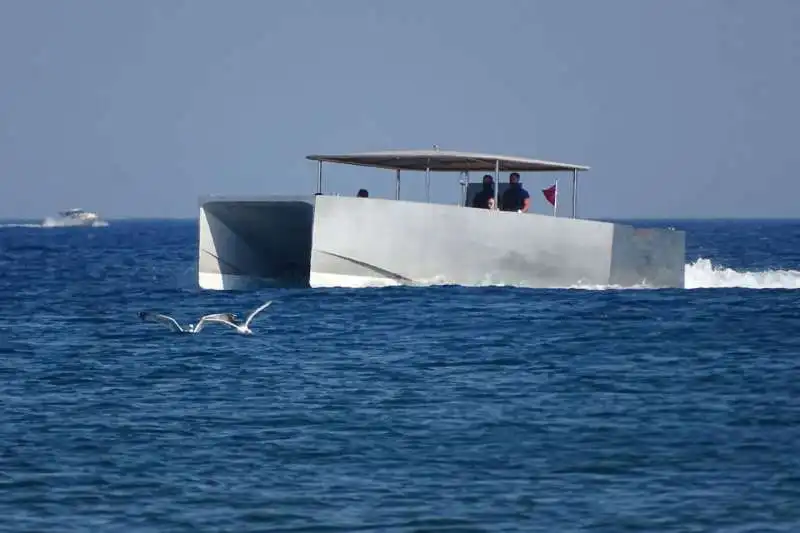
{"points": [[331, 241]]}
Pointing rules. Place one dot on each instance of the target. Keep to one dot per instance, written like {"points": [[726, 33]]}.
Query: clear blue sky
{"points": [[682, 108]]}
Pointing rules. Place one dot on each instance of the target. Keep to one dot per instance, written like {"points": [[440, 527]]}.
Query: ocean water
{"points": [[396, 409]]}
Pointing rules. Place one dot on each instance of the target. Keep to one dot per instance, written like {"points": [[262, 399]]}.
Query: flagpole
{"points": [[555, 203]]}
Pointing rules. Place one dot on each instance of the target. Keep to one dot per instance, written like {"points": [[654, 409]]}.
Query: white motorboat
{"points": [[75, 217]]}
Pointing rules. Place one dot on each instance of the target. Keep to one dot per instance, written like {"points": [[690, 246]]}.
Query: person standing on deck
{"points": [[481, 199], [515, 198]]}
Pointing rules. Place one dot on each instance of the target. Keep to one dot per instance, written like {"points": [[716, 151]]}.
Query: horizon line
{"points": [[598, 218]]}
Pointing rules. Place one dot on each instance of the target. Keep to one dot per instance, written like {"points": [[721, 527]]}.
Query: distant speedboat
{"points": [[75, 217]]}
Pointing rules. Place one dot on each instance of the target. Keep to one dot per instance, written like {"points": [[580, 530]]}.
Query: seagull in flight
{"points": [[191, 328], [242, 328], [229, 319]]}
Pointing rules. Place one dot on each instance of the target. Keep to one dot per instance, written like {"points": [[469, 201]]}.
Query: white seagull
{"points": [[244, 329], [224, 318]]}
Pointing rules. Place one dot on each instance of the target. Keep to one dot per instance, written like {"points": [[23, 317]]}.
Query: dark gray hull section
{"points": [[250, 242]]}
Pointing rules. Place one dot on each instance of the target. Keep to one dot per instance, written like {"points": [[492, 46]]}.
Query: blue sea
{"points": [[396, 409]]}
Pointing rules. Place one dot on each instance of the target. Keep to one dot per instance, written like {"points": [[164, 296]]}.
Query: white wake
{"points": [[702, 274], [11, 225], [57, 223], [50, 222]]}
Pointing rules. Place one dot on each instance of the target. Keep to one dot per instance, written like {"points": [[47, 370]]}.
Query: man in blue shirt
{"points": [[515, 198]]}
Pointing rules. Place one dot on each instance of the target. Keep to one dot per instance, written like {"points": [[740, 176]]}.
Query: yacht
{"points": [[75, 217], [323, 240]]}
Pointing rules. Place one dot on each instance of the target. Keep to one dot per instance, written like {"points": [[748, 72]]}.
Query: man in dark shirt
{"points": [[481, 198], [515, 198]]}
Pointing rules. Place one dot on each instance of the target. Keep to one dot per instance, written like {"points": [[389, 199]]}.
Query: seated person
{"points": [[515, 198], [362, 193], [481, 198], [490, 204]]}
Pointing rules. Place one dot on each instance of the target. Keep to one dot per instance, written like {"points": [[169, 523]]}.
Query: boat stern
{"points": [[648, 257]]}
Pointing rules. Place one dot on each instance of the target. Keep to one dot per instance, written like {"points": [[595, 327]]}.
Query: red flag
{"points": [[550, 194]]}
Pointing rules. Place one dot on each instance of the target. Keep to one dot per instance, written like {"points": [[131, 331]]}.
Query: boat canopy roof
{"points": [[445, 161]]}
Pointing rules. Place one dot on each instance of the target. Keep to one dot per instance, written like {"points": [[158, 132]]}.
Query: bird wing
{"points": [[157, 317], [222, 318], [254, 313]]}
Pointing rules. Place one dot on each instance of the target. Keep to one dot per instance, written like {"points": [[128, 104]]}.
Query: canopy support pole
{"points": [[555, 200], [497, 184], [397, 185], [428, 184], [319, 177], [462, 200], [466, 188], [574, 193]]}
